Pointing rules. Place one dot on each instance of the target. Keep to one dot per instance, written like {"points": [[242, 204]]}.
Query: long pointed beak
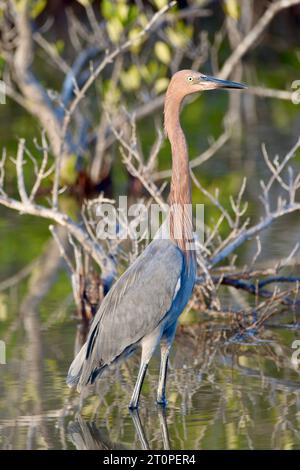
{"points": [[223, 83]]}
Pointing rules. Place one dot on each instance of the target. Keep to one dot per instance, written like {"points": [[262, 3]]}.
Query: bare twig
{"points": [[274, 8], [110, 57]]}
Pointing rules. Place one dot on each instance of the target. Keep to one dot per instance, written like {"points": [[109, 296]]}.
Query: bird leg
{"points": [[149, 344], [161, 389], [134, 402]]}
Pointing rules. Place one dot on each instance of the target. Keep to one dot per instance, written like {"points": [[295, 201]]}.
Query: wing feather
{"points": [[134, 307]]}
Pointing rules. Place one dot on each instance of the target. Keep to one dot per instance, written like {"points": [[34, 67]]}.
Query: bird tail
{"points": [[76, 368]]}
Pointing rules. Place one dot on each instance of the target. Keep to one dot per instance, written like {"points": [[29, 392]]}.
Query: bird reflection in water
{"points": [[86, 435]]}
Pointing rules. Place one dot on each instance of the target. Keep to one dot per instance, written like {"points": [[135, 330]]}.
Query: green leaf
{"points": [[112, 94], [162, 52], [131, 78], [160, 3], [107, 9], [232, 9], [180, 37], [133, 34], [37, 7], [150, 71], [60, 45], [122, 11], [69, 170], [114, 29], [2, 63], [161, 85], [3, 306]]}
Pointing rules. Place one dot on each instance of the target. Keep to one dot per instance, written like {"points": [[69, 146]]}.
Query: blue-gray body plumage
{"points": [[143, 304]]}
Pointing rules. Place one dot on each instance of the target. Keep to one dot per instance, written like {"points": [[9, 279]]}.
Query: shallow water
{"points": [[221, 396]]}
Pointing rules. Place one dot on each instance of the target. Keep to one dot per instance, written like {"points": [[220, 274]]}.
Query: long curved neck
{"points": [[180, 192]]}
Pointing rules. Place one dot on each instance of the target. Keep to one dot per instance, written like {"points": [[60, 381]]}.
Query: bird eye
{"points": [[190, 79]]}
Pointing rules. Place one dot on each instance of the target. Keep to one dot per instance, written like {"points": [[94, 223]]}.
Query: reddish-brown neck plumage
{"points": [[180, 193]]}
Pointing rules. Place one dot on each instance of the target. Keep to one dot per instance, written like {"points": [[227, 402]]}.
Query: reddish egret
{"points": [[143, 306]]}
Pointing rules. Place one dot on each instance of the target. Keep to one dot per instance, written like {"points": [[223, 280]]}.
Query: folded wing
{"points": [[134, 307]]}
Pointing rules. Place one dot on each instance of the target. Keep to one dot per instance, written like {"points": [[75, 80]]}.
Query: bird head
{"points": [[187, 82]]}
